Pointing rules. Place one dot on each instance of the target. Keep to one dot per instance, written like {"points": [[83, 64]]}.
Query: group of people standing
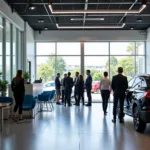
{"points": [[64, 88], [118, 85]]}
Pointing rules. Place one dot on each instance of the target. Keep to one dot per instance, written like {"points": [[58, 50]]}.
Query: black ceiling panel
{"points": [[42, 11]]}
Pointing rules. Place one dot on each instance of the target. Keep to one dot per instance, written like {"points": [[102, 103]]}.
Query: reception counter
{"points": [[32, 89]]}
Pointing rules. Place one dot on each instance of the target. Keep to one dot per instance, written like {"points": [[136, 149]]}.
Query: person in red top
{"points": [[18, 89]]}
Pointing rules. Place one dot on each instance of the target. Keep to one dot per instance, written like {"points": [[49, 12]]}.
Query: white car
{"points": [[49, 86]]}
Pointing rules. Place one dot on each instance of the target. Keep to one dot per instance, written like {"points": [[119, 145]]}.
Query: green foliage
{"points": [[131, 48], [74, 71], [26, 75], [3, 86], [45, 72], [97, 76], [128, 66], [60, 64]]}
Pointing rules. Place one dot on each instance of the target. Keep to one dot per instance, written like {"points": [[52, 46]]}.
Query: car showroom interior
{"points": [[75, 74]]}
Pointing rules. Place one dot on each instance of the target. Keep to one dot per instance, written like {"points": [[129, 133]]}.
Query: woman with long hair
{"points": [[105, 87], [80, 90], [18, 89]]}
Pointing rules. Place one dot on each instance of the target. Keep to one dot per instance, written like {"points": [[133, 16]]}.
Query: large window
{"points": [[14, 51], [122, 48], [96, 48], [98, 57], [68, 48], [45, 66], [97, 65], [8, 33], [1, 40], [45, 49], [127, 62]]}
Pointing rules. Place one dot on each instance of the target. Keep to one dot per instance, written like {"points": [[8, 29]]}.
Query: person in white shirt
{"points": [[105, 88]]}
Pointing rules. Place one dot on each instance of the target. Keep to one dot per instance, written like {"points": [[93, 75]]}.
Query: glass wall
{"points": [[98, 57], [14, 51], [1, 40], [10, 49], [71, 57], [8, 40], [57, 57]]}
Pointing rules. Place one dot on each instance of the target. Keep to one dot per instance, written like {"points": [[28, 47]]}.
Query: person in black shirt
{"points": [[57, 87], [88, 86], [80, 90], [18, 88], [68, 84], [119, 86]]}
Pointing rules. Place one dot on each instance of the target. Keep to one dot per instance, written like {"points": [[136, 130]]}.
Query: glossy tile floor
{"points": [[74, 128]]}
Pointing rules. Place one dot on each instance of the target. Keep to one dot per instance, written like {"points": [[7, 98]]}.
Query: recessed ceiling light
{"points": [[139, 20], [87, 19], [46, 28], [1, 26], [31, 7], [131, 28], [40, 20]]}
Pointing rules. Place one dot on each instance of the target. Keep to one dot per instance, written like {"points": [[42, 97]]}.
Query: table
{"points": [[2, 107]]}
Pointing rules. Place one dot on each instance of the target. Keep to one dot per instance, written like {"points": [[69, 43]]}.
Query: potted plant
{"points": [[3, 87], [26, 76]]}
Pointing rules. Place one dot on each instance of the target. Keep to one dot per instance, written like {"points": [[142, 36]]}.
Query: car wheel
{"points": [[139, 125]]}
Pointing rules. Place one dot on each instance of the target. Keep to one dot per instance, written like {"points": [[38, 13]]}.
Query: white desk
{"points": [[2, 107]]}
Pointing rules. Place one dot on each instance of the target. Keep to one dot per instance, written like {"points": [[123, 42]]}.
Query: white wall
{"points": [[14, 18], [30, 49], [148, 51], [90, 35]]}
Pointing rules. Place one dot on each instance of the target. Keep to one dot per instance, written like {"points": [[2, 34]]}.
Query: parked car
{"points": [[95, 87], [49, 86], [137, 101]]}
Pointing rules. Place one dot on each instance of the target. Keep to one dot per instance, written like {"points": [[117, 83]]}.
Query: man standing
{"points": [[63, 88], [76, 83], [88, 86], [68, 84], [119, 86], [57, 87]]}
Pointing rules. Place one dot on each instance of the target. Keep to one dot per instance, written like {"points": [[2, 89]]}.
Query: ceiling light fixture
{"points": [[139, 20], [90, 27], [87, 19], [1, 26], [116, 11], [131, 28], [40, 21], [46, 28], [31, 7]]}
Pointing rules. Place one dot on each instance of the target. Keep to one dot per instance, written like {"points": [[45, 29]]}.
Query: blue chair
{"points": [[29, 104], [7, 100], [44, 99]]}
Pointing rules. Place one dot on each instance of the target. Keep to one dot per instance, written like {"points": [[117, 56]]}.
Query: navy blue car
{"points": [[137, 101]]}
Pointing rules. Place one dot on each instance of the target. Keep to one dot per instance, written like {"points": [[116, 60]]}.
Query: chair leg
{"points": [[50, 106]]}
